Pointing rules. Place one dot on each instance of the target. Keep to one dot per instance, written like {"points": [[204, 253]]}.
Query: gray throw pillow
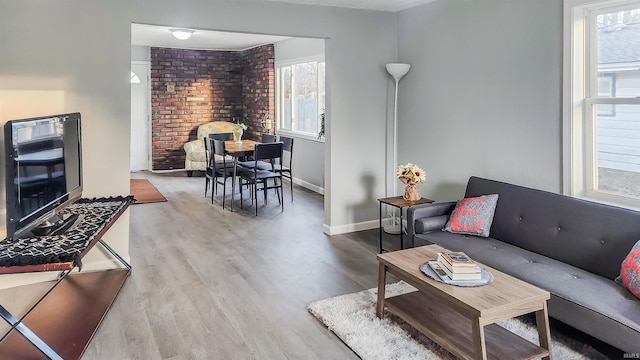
{"points": [[473, 216]]}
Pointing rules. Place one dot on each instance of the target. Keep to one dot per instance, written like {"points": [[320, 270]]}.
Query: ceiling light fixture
{"points": [[182, 34]]}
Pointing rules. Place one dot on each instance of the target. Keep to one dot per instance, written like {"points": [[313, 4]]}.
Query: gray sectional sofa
{"points": [[570, 247]]}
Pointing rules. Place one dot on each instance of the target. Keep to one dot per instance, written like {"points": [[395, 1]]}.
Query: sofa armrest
{"points": [[429, 224], [432, 216], [194, 145]]}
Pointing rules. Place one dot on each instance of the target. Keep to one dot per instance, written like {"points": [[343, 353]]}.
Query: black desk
{"points": [[62, 322]]}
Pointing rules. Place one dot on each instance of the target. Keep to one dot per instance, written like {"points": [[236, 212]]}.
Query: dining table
{"points": [[238, 150]]}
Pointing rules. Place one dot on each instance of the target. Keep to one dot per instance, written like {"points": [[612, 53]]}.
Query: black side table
{"points": [[400, 203]]}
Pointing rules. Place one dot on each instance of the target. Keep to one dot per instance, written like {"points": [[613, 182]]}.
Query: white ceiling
{"points": [[382, 5], [160, 36]]}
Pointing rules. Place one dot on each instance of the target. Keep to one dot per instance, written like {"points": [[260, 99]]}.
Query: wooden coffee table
{"points": [[462, 320]]}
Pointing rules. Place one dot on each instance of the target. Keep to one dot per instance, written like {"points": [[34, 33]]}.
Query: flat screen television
{"points": [[43, 171]]}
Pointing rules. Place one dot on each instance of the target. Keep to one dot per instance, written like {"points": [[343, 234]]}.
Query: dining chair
{"points": [[210, 166], [221, 169], [280, 167], [268, 138], [222, 136], [262, 165], [272, 154], [211, 159]]}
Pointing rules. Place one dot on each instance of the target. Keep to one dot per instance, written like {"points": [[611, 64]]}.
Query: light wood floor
{"points": [[208, 283], [214, 284]]}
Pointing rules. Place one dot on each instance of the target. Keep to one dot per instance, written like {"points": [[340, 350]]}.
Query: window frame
{"points": [[611, 78], [278, 95], [580, 93]]}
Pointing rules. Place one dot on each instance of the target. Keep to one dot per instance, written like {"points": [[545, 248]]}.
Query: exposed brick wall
{"points": [[258, 88], [224, 84], [190, 88]]}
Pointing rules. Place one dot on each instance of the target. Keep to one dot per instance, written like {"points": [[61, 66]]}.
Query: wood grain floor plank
{"points": [[235, 285]]}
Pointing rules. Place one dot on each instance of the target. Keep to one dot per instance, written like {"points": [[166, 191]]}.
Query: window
{"points": [[602, 106], [606, 88], [300, 95], [134, 78]]}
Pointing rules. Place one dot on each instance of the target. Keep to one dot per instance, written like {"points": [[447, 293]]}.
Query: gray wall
{"points": [[298, 48], [483, 96], [84, 57], [308, 161]]}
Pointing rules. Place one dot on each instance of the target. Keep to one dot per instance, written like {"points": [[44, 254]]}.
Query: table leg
{"points": [[477, 335], [25, 331], [401, 232], [233, 181], [380, 230], [542, 322], [382, 281]]}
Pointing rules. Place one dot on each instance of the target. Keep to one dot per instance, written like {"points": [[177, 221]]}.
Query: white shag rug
{"points": [[352, 317]]}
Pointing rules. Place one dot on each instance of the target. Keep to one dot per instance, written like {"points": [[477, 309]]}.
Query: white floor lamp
{"points": [[397, 71]]}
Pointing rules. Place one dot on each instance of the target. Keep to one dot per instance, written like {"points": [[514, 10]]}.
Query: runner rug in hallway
{"points": [[352, 317], [144, 192]]}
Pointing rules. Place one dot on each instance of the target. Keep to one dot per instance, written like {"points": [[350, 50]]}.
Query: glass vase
{"points": [[237, 136]]}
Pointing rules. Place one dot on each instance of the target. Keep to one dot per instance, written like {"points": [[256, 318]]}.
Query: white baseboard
{"points": [[304, 184], [343, 229], [366, 225], [310, 186], [169, 171]]}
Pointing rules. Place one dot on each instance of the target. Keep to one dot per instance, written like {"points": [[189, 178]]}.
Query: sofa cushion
{"points": [[473, 216], [591, 236]]}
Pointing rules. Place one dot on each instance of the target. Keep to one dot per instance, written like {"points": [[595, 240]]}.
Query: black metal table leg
{"points": [[380, 229], [401, 231]]}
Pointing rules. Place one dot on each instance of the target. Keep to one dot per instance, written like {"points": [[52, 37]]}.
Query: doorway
{"points": [[140, 116]]}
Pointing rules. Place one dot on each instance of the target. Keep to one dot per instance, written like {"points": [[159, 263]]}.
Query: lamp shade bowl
{"points": [[398, 70]]}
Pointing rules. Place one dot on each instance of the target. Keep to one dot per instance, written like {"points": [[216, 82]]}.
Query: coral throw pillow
{"points": [[473, 216], [630, 270]]}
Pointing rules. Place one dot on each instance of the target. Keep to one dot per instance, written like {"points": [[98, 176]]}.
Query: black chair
{"points": [[210, 170], [280, 167], [222, 136], [270, 153], [221, 169], [262, 165], [268, 138]]}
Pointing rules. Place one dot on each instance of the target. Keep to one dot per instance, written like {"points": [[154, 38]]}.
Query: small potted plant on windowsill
{"points": [[321, 132]]}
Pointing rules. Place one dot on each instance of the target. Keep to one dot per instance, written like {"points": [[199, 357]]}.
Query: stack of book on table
{"points": [[456, 267]]}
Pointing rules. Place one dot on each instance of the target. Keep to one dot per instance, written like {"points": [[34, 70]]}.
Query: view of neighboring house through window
{"points": [[617, 126], [300, 95], [605, 123]]}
